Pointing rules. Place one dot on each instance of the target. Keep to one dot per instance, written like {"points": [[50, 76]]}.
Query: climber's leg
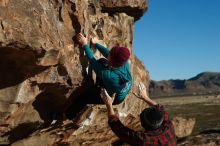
{"points": [[93, 94], [85, 95]]}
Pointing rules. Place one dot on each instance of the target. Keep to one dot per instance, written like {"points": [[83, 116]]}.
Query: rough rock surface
{"points": [[135, 8], [43, 69], [206, 138], [183, 127]]}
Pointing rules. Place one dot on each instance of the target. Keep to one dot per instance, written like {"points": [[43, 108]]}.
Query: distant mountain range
{"points": [[203, 83]]}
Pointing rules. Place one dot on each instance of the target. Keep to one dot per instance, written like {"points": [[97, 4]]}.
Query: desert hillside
{"points": [[202, 84]]}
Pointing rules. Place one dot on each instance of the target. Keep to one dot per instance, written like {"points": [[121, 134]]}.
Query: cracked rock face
{"points": [[43, 70]]}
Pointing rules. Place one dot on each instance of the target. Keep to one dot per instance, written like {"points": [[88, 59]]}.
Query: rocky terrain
{"points": [[206, 138], [203, 83], [195, 118], [43, 70]]}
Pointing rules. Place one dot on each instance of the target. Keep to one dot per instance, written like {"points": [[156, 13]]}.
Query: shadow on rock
{"points": [[21, 131], [210, 131], [52, 103], [118, 143], [17, 64], [52, 100], [81, 97]]}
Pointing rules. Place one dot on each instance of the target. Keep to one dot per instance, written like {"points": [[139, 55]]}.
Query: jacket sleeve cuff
{"points": [[97, 45], [159, 107], [166, 114], [113, 118], [85, 46]]}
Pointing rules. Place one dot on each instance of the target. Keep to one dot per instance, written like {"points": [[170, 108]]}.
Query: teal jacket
{"points": [[117, 81]]}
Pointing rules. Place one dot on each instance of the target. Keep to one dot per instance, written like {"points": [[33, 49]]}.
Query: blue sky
{"points": [[178, 39]]}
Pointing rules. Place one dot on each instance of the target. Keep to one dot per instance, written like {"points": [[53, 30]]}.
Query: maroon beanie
{"points": [[119, 55]]}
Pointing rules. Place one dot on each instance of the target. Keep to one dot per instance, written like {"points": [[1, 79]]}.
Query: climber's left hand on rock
{"points": [[82, 40]]}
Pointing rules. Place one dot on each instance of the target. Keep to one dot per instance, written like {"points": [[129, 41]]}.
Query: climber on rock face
{"points": [[159, 130], [112, 73]]}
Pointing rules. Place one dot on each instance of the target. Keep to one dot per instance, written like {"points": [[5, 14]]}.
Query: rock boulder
{"points": [[43, 69]]}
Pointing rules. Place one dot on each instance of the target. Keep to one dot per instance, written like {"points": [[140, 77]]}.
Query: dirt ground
{"points": [[205, 109]]}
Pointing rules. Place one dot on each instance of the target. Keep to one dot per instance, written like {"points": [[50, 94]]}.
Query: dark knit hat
{"points": [[119, 55], [151, 118]]}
